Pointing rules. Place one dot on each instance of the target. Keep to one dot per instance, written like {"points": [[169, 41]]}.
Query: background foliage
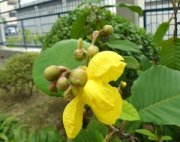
{"points": [[123, 29], [16, 74]]}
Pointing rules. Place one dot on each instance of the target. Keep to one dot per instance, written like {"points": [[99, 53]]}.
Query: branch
{"points": [[111, 134], [97, 17]]}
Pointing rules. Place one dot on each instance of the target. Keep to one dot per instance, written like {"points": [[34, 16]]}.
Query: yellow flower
{"points": [[104, 100]]}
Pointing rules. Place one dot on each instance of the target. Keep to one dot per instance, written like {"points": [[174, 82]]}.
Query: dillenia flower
{"points": [[104, 100]]}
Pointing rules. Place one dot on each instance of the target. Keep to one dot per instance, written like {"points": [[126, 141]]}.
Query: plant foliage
{"points": [[17, 73]]}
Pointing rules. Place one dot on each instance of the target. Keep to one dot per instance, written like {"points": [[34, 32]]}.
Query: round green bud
{"points": [[92, 50], [78, 77], [123, 84], [108, 29], [52, 87], [79, 54], [62, 83], [52, 73]]}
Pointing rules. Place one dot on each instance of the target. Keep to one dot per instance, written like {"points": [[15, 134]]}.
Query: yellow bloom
{"points": [[104, 100]]}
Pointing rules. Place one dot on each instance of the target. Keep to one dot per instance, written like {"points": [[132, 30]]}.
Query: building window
{"points": [[12, 14]]}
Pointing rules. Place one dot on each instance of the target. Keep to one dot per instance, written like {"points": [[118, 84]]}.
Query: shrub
{"points": [[13, 40], [17, 73], [123, 29]]}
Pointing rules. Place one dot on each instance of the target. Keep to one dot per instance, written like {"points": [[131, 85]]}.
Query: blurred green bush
{"points": [[123, 29], [16, 75]]}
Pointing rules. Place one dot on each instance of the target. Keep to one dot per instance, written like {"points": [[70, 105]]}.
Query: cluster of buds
{"points": [[63, 79], [80, 53]]}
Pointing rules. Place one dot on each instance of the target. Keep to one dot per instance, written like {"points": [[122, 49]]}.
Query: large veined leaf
{"points": [[170, 54], [160, 33], [60, 54], [123, 45], [89, 136], [156, 95], [129, 112]]}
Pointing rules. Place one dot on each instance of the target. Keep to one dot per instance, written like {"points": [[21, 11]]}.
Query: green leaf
{"points": [[166, 138], [94, 124], [147, 133], [129, 112], [32, 137], [53, 136], [131, 7], [60, 54], [42, 136], [131, 126], [145, 63], [89, 135], [160, 33], [116, 139], [123, 45], [170, 54], [78, 30], [156, 95], [132, 63], [3, 137], [20, 135]]}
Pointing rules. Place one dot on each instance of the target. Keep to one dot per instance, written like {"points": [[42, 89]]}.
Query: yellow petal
{"points": [[104, 100], [73, 117], [106, 65]]}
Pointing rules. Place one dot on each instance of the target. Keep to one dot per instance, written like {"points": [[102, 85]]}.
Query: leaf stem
{"points": [[175, 9]]}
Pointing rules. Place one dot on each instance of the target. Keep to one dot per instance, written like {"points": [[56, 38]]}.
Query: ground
{"points": [[36, 112]]}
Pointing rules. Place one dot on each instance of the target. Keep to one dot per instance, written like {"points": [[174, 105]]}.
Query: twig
{"points": [[97, 17], [123, 124], [175, 9], [111, 134]]}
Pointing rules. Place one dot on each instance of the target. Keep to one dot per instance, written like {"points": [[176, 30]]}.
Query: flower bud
{"points": [[62, 83], [52, 73], [52, 87], [92, 50], [79, 54], [108, 29], [78, 77], [123, 84], [80, 43]]}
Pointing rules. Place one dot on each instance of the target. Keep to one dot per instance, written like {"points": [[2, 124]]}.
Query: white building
{"points": [[7, 14], [159, 11], [47, 12], [38, 16]]}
